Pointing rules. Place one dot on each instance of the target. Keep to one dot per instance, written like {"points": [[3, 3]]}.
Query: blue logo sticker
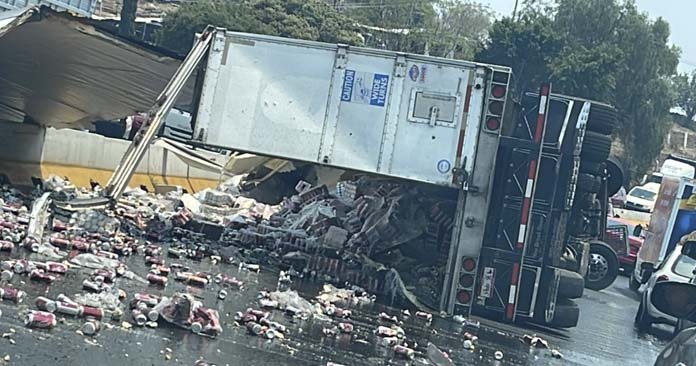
{"points": [[380, 84], [347, 89], [444, 166], [413, 72]]}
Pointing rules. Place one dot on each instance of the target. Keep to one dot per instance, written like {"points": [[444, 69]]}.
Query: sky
{"points": [[678, 13]]}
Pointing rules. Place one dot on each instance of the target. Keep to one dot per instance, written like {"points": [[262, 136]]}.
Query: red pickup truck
{"points": [[628, 261]]}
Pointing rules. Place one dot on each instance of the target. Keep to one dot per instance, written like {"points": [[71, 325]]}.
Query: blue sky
{"points": [[679, 14]]}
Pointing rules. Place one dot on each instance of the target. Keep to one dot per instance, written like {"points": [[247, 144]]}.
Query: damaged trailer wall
{"points": [[62, 71]]}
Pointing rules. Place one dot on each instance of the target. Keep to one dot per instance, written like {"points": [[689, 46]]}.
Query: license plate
{"points": [[487, 281]]}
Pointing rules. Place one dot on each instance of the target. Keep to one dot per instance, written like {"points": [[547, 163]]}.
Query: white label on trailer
{"points": [[365, 88], [487, 281]]}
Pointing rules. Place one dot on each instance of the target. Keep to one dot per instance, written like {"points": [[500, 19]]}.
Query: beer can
{"points": [[156, 279], [68, 308], [383, 331], [154, 260], [92, 286], [105, 254], [345, 327], [6, 246], [404, 351], [152, 314], [40, 275], [60, 242], [139, 318], [45, 304], [56, 267], [197, 281], [423, 315], [255, 328], [107, 275], [258, 313], [149, 299], [196, 327], [40, 319], [222, 294], [92, 312], [6, 275], [90, 327], [232, 282], [65, 298]]}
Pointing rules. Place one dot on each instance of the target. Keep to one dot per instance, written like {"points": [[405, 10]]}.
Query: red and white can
{"points": [[345, 327], [92, 312], [40, 275], [56, 267], [45, 304], [91, 327], [148, 299], [156, 279], [154, 260], [6, 246], [12, 294], [68, 308], [139, 318], [40, 319]]}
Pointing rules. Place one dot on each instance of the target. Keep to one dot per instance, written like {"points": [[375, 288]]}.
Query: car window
{"points": [[642, 193], [684, 266]]}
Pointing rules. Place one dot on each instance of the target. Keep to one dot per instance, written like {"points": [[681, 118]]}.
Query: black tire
{"points": [[595, 147], [633, 283], [643, 321], [588, 183], [571, 285], [566, 314], [598, 169], [615, 175], [602, 119], [603, 267]]}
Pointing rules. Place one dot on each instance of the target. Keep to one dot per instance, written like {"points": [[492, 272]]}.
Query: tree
{"points": [[604, 50], [126, 27], [460, 29], [310, 20], [684, 86]]}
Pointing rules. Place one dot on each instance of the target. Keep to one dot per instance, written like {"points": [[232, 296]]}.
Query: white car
{"points": [[676, 267], [643, 198]]}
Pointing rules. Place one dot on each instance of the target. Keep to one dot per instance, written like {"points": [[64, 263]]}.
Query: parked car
{"points": [[635, 241], [643, 198], [679, 301], [677, 267]]}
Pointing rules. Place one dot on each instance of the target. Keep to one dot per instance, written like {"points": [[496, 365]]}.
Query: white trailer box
{"points": [[395, 114]]}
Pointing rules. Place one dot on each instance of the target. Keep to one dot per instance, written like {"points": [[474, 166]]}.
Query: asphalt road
{"points": [[605, 335]]}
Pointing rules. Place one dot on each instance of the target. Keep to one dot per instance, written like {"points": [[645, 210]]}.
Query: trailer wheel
{"points": [[589, 167], [595, 147], [602, 119], [566, 314], [615, 175], [603, 267], [588, 183], [571, 285]]}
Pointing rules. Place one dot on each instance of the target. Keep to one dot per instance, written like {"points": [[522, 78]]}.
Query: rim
{"points": [[599, 267]]}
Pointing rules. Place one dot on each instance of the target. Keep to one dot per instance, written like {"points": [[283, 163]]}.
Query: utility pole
{"points": [[514, 11], [126, 27]]}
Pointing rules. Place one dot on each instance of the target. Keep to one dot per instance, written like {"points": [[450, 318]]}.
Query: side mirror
{"points": [[689, 249], [637, 230], [675, 299]]}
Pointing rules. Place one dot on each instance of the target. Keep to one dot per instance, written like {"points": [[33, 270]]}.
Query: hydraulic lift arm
{"points": [[156, 115]]}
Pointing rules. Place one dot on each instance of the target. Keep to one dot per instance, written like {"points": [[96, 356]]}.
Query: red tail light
{"points": [[663, 278], [466, 280], [469, 264], [498, 91], [492, 123], [463, 297]]}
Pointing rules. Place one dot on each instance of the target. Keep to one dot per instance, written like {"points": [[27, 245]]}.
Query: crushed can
{"points": [[404, 351], [40, 319], [345, 327], [6, 246]]}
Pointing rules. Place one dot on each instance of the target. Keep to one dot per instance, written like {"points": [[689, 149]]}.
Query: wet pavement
{"points": [[605, 335]]}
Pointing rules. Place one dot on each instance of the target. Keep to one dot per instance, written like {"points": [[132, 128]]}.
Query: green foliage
{"points": [[312, 20], [684, 87], [445, 28], [604, 50]]}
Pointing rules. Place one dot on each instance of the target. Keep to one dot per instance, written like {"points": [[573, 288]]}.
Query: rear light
{"points": [[496, 108], [498, 91], [463, 296], [466, 280], [492, 123], [468, 264], [663, 278]]}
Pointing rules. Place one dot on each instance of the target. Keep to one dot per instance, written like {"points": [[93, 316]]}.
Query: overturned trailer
{"points": [[520, 184]]}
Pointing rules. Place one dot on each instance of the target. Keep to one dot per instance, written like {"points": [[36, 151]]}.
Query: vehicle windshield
{"points": [[684, 266], [643, 194]]}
